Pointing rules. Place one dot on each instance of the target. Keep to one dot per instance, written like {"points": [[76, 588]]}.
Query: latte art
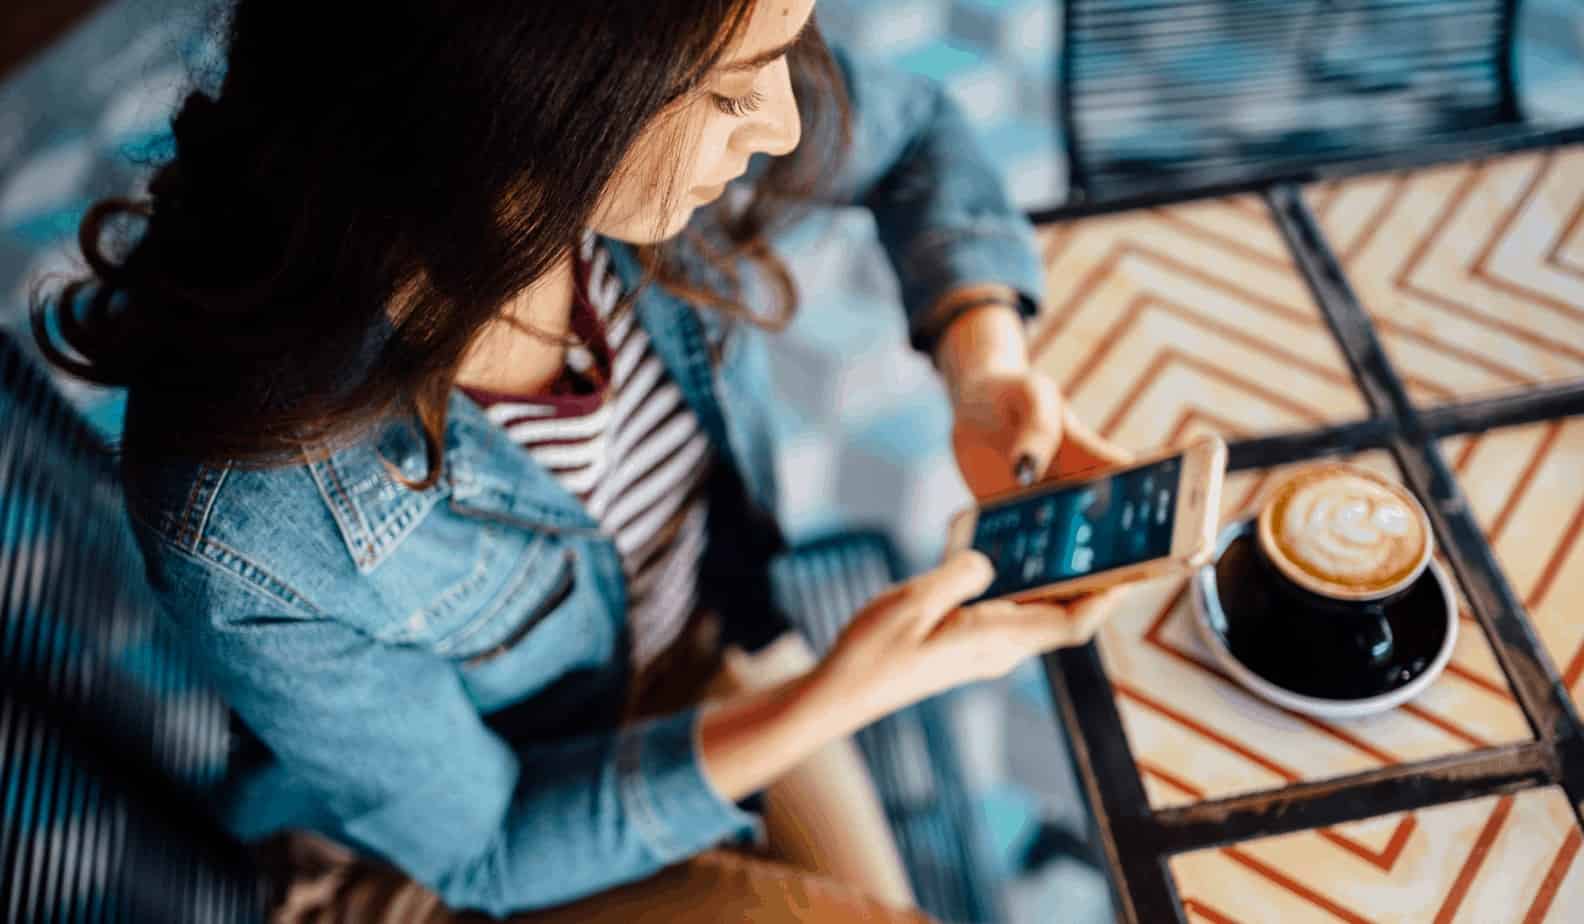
{"points": [[1347, 532]]}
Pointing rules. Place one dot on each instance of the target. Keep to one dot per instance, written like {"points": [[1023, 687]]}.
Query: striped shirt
{"points": [[628, 446]]}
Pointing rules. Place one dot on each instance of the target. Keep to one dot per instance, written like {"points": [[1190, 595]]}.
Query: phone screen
{"points": [[1079, 529]]}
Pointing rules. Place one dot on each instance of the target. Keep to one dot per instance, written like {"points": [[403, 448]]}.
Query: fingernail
{"points": [[1024, 470]]}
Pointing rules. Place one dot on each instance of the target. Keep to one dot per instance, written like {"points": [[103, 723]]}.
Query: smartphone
{"points": [[1077, 535]]}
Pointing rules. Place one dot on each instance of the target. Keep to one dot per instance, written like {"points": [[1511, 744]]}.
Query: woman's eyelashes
{"points": [[739, 105]]}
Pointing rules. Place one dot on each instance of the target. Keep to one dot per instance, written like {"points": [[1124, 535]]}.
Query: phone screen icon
{"points": [[1078, 530]]}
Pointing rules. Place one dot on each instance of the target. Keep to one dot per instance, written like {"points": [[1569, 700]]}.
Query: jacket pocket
{"points": [[539, 587], [560, 592]]}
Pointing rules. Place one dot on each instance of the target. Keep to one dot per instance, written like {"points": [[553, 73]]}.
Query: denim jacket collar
{"points": [[484, 474]]}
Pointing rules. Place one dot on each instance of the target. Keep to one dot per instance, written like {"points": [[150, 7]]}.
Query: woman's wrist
{"points": [[750, 740], [985, 339], [845, 702]]}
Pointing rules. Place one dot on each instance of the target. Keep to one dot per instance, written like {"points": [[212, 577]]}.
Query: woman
{"points": [[425, 440]]}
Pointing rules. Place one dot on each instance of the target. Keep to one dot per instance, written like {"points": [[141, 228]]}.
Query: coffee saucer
{"points": [[1239, 617]]}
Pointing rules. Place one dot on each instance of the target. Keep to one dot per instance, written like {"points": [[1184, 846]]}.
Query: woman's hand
{"points": [[917, 639], [1001, 421], [1006, 411], [911, 642]]}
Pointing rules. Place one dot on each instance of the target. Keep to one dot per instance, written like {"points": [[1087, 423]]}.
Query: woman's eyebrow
{"points": [[765, 57]]}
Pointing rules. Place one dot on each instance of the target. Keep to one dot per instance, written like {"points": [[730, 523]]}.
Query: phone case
{"points": [[1192, 545]]}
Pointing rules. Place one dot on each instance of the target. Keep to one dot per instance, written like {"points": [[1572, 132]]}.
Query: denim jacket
{"points": [[433, 677]]}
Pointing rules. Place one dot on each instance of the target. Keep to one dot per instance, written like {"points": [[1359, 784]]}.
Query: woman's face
{"points": [[743, 107]]}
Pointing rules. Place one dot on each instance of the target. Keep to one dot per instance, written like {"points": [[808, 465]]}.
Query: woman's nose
{"points": [[780, 127]]}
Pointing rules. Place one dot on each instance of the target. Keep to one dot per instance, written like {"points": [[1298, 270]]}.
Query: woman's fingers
{"points": [[1092, 442], [989, 639], [1006, 430], [995, 636], [1038, 418], [1084, 450], [1091, 612], [964, 575]]}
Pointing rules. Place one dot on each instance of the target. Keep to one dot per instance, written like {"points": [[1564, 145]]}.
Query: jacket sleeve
{"points": [[940, 206], [388, 738]]}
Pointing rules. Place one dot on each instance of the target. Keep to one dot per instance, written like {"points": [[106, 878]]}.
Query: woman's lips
{"points": [[708, 193]]}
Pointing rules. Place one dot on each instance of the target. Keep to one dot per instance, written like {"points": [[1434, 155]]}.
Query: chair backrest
{"points": [[1163, 94], [109, 743]]}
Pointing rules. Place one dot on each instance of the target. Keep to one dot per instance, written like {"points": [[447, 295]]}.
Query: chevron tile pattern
{"points": [[1473, 274], [1523, 484], [1197, 735], [1165, 324], [1187, 317], [1498, 859]]}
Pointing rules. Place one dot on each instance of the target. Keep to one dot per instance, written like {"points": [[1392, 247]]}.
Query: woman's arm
{"points": [[957, 242], [823, 815], [911, 642], [388, 740], [987, 339], [940, 205]]}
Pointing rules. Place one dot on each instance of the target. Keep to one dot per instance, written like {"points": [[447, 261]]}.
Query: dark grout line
{"points": [[1547, 402], [1534, 679], [1386, 790], [1142, 890], [1348, 320], [1281, 449], [1139, 840], [1179, 188], [1136, 839]]}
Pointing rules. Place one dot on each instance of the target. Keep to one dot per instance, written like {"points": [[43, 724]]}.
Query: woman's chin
{"points": [[649, 231]]}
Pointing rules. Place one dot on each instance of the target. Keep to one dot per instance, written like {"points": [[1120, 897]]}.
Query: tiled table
{"points": [[1430, 325]]}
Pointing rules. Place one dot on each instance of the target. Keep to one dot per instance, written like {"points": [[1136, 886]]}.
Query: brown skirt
{"points": [[332, 885]]}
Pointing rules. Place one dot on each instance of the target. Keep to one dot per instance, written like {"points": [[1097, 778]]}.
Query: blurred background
{"points": [[1174, 95], [87, 89]]}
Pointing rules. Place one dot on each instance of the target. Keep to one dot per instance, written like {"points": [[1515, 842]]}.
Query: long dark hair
{"points": [[369, 187]]}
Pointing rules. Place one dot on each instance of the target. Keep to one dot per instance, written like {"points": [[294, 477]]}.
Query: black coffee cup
{"points": [[1330, 621]]}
